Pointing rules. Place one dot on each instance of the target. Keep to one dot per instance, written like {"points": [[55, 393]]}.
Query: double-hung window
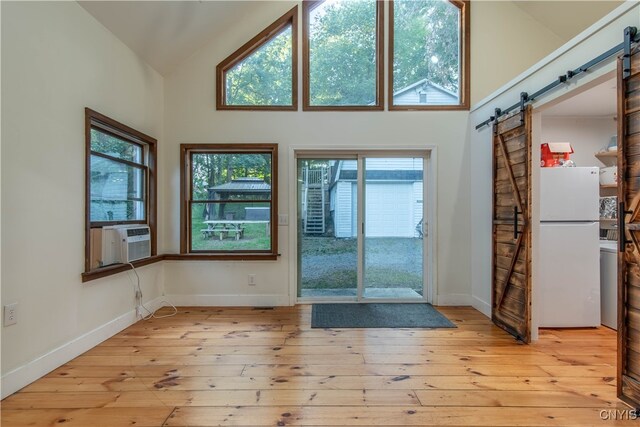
{"points": [[120, 180], [229, 200]]}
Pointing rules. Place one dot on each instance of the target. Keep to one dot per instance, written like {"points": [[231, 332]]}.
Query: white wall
{"points": [[56, 60], [190, 116], [505, 41], [587, 135], [593, 41]]}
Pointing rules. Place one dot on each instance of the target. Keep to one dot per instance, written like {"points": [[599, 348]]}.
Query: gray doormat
{"points": [[380, 315]]}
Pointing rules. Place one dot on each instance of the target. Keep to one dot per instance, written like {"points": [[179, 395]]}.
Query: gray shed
{"points": [[246, 188]]}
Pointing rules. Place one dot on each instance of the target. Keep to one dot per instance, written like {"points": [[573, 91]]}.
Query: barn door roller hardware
{"points": [[630, 36]]}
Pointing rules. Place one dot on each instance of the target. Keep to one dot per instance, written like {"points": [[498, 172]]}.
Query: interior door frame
{"points": [[429, 153]]}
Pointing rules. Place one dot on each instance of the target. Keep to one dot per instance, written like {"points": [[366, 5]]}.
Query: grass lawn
{"points": [[254, 238]]}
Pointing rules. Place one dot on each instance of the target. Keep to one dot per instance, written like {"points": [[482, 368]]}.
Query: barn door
{"points": [[629, 227], [511, 288]]}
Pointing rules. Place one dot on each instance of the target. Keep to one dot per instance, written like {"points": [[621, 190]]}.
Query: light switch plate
{"points": [[283, 219]]}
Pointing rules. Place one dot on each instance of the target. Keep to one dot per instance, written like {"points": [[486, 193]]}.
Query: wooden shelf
{"points": [[608, 190], [609, 158]]}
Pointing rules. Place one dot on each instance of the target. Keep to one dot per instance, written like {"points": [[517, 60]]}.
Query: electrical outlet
{"points": [[252, 280], [11, 314], [283, 219]]}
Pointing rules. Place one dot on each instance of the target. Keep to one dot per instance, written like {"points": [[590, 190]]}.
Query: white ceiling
{"points": [[599, 101], [165, 33]]}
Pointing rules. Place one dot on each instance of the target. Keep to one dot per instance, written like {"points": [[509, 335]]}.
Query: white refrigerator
{"points": [[569, 256]]}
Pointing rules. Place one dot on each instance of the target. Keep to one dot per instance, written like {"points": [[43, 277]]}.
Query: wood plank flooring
{"points": [[246, 367]]}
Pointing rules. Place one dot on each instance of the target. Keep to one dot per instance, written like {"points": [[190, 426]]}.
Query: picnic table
{"points": [[225, 227]]}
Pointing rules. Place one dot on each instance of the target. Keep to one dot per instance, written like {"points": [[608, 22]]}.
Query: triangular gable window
{"points": [[262, 74]]}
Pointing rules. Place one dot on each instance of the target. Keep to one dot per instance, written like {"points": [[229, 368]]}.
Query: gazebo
{"points": [[246, 189]]}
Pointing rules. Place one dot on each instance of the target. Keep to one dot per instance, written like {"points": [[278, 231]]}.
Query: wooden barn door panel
{"points": [[511, 287], [629, 225]]}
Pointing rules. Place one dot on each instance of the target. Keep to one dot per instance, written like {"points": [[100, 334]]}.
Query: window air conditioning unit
{"points": [[125, 243]]}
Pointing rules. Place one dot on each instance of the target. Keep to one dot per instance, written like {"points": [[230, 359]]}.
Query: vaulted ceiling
{"points": [[164, 33]]}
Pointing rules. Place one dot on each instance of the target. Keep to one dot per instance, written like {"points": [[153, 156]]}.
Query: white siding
{"points": [[434, 97], [349, 165], [418, 205], [342, 220], [400, 163], [354, 209], [386, 164], [389, 210]]}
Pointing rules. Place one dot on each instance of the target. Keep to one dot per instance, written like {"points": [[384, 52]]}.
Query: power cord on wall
{"points": [[140, 305]]}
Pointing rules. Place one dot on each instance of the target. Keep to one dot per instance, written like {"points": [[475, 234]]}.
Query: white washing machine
{"points": [[609, 283]]}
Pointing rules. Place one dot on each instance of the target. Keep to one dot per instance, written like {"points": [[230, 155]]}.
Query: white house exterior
{"points": [[115, 191], [424, 92], [391, 186]]}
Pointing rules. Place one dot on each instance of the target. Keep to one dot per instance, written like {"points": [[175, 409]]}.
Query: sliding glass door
{"points": [[393, 238], [327, 232], [361, 227]]}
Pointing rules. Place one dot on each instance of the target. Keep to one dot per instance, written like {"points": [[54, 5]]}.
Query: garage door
{"points": [[386, 210]]}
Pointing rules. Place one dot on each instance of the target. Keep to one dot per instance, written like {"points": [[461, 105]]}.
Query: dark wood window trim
{"points": [[465, 58], [185, 199], [95, 119], [118, 268], [307, 7], [289, 18]]}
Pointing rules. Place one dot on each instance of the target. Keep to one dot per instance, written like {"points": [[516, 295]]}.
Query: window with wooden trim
{"points": [[343, 55], [429, 55], [262, 74], [120, 181], [230, 198]]}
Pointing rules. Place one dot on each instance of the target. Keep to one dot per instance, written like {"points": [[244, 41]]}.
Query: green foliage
{"points": [[106, 144], [342, 53], [209, 170], [264, 77], [426, 29]]}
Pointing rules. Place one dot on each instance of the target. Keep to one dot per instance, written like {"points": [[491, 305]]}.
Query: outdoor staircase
{"points": [[314, 201]]}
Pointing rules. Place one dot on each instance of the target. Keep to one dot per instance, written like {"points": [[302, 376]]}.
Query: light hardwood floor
{"points": [[239, 366]]}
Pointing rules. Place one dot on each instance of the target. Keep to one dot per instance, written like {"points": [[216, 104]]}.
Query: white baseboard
{"points": [[26, 374], [272, 300], [453, 299], [482, 306]]}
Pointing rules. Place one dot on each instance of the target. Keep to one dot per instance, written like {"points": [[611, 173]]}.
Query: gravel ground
{"points": [[389, 262]]}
